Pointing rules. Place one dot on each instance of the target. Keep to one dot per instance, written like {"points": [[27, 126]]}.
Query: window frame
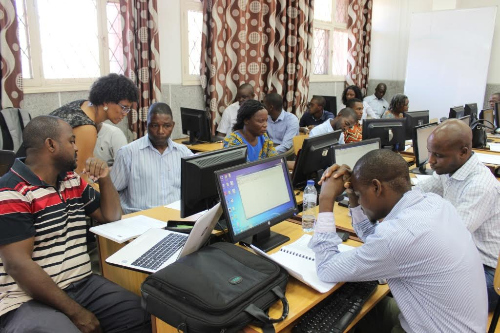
{"points": [[186, 6], [39, 84], [330, 27]]}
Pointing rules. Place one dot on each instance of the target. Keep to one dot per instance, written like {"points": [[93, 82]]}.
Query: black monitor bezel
{"points": [[353, 145], [456, 112], [185, 211], [410, 125], [402, 121], [299, 178], [415, 144], [204, 134], [265, 226]]}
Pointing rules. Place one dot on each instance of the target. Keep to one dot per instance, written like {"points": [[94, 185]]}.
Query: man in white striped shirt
{"points": [[147, 172], [429, 260], [461, 178]]}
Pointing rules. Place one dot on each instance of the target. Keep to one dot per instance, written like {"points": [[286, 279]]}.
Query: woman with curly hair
{"points": [[251, 130], [397, 108], [350, 93], [111, 97]]}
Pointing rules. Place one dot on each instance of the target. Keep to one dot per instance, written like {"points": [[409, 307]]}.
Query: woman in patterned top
{"points": [[354, 133], [111, 97], [397, 108], [250, 129]]}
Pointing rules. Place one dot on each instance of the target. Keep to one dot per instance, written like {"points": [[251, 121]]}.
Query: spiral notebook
{"points": [[298, 259]]}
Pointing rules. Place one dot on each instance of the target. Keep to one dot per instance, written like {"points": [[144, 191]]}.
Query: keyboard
{"points": [[337, 311], [161, 252]]}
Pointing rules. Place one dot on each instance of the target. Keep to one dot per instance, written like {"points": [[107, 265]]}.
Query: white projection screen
{"points": [[448, 58]]}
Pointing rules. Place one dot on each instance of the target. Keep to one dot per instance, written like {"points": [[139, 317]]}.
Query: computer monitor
{"points": [[331, 103], [391, 132], [470, 109], [489, 116], [456, 112], [420, 137], [414, 119], [466, 120], [196, 124], [350, 153], [496, 113], [198, 190], [314, 157], [254, 197]]}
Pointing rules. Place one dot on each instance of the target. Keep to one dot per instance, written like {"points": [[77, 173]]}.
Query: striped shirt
{"points": [[29, 207], [475, 193], [429, 260], [144, 178]]}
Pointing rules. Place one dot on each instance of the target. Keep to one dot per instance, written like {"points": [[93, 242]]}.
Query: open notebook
{"points": [[298, 259]]}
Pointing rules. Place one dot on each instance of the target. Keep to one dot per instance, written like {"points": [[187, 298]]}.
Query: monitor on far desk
{"points": [[488, 116], [391, 132], [466, 120], [259, 196], [420, 137], [350, 153], [470, 109], [196, 124], [198, 189], [414, 119], [456, 112]]}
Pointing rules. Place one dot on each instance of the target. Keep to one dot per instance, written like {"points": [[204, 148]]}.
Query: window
{"points": [[330, 40], [192, 27], [69, 58]]}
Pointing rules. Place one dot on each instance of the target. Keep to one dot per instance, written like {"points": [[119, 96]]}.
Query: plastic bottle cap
{"points": [[310, 182]]}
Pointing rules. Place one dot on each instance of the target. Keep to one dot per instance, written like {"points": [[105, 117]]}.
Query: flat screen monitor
{"points": [[196, 124], [350, 153], [259, 196], [331, 104], [314, 157], [420, 137], [488, 115], [456, 112], [198, 189], [414, 119], [496, 113], [470, 109], [466, 120], [390, 131]]}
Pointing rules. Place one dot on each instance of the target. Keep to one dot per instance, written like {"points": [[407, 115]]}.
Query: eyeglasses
{"points": [[125, 109]]}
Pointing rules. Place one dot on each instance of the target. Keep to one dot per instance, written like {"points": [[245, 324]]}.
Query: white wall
{"points": [[390, 35]]}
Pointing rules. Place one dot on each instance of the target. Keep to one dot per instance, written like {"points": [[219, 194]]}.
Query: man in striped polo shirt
{"points": [[46, 283]]}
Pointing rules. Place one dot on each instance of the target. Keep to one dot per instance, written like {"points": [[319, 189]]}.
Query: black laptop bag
{"points": [[220, 288]]}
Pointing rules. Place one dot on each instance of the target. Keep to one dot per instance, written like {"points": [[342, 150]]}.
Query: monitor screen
{"points": [[496, 114], [350, 153], [420, 137], [456, 112], [470, 109], [254, 197], [413, 119], [198, 189], [390, 131], [315, 156], [489, 116], [466, 120], [196, 124]]}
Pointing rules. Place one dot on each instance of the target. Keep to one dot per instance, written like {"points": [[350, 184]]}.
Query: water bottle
{"points": [[308, 207]]}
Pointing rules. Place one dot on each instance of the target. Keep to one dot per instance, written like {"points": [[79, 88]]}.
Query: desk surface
{"points": [[301, 297], [201, 147]]}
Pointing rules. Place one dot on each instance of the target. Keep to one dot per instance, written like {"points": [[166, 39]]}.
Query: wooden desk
{"points": [[201, 147], [301, 297]]}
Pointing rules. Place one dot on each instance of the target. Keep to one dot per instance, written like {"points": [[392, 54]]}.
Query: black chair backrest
{"points": [[7, 158]]}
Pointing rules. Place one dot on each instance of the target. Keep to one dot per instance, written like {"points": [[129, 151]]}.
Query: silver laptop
{"points": [[158, 248]]}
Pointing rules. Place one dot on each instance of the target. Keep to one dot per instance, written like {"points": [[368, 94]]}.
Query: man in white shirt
{"points": [[375, 105], [245, 92], [109, 139], [461, 178], [345, 119], [413, 239]]}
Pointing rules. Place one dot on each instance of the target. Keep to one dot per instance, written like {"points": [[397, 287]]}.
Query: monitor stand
{"points": [[192, 139], [266, 240], [422, 170]]}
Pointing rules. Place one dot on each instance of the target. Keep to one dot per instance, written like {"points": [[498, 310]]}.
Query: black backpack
{"points": [[479, 136], [220, 288]]}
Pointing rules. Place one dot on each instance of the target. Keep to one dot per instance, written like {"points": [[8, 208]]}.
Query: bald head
{"points": [[454, 133]]}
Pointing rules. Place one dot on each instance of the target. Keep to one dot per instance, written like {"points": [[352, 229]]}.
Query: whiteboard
{"points": [[448, 58]]}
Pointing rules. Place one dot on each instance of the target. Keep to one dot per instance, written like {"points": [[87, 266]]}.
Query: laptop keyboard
{"points": [[158, 254]]}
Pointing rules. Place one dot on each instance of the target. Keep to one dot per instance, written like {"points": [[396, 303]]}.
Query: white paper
{"points": [[123, 230], [174, 205], [302, 266], [489, 158], [494, 146]]}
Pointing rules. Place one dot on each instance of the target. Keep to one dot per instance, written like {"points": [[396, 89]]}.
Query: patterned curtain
{"points": [[359, 27], [142, 59], [11, 90], [264, 43]]}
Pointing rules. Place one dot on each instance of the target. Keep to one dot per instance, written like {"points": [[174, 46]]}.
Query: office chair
{"points": [[331, 104], [7, 158], [496, 314]]}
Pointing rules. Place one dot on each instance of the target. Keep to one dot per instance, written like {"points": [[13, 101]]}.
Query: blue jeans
{"points": [[489, 273]]}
